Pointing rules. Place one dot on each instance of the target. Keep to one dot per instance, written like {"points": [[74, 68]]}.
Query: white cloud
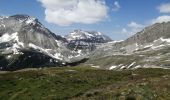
{"points": [[160, 19], [164, 8], [135, 27], [67, 12], [116, 6], [124, 30], [132, 28]]}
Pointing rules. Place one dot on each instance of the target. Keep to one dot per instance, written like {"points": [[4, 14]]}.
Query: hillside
{"points": [[85, 83], [148, 48]]}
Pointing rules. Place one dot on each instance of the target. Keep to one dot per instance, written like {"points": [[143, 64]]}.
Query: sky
{"points": [[119, 19]]}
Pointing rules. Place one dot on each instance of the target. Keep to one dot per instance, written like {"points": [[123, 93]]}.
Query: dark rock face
{"points": [[29, 59]]}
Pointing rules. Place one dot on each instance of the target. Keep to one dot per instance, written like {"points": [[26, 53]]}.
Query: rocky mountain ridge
{"points": [[23, 38], [85, 40], [146, 49], [25, 42]]}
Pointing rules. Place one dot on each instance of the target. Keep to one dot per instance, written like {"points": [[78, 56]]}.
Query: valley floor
{"points": [[85, 83]]}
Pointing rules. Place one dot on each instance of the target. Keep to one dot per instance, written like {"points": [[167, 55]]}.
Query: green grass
{"points": [[85, 83]]}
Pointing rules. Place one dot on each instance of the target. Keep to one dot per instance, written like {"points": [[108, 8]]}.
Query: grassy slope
{"points": [[85, 83]]}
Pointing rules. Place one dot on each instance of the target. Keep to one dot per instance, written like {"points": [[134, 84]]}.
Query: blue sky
{"points": [[122, 19]]}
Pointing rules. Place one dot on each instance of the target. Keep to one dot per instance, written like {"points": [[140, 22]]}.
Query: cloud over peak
{"points": [[67, 12], [132, 28], [134, 25], [164, 8], [160, 19]]}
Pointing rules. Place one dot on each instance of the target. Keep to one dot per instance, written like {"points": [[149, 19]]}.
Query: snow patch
{"points": [[9, 56], [12, 37], [122, 67], [136, 67], [165, 40], [15, 49], [137, 46], [159, 46], [34, 46], [112, 42], [95, 66], [112, 67], [131, 65], [6, 37], [2, 17], [79, 51], [30, 21], [147, 46], [2, 25], [79, 34], [88, 35], [75, 35], [58, 56]]}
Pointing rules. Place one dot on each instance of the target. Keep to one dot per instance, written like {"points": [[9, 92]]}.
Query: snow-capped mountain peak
{"points": [[25, 18], [79, 34], [89, 36]]}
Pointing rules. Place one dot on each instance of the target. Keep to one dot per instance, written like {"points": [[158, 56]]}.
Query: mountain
{"points": [[148, 48], [25, 42], [84, 40], [93, 37]]}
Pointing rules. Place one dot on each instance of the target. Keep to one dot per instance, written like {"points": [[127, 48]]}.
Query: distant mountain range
{"points": [[83, 40], [25, 43]]}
